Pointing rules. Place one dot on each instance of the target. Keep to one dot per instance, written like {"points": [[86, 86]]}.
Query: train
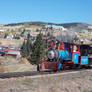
{"points": [[63, 55]]}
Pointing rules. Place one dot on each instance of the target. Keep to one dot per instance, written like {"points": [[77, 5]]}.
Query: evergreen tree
{"points": [[26, 47], [38, 52], [23, 49]]}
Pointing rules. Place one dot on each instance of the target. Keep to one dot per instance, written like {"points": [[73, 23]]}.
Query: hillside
{"points": [[67, 30], [76, 26], [70, 26], [38, 23]]}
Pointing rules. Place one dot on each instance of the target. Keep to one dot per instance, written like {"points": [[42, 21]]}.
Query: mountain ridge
{"points": [[73, 26], [49, 23]]}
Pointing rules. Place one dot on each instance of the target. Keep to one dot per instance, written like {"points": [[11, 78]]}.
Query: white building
{"points": [[55, 27], [2, 30]]}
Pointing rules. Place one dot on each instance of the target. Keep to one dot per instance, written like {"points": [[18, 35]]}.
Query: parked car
{"points": [[2, 53]]}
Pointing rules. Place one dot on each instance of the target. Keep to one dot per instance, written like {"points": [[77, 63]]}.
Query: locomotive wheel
{"points": [[79, 67], [74, 66], [89, 66], [63, 67], [55, 71]]}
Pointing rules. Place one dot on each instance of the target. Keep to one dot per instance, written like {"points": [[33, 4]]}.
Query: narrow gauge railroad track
{"points": [[34, 73]]}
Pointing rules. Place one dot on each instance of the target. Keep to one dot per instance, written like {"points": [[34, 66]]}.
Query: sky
{"points": [[56, 11]]}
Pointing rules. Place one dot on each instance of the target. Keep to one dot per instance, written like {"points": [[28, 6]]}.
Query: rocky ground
{"points": [[62, 82]]}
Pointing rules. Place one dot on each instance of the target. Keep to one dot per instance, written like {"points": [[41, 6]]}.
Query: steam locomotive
{"points": [[62, 56]]}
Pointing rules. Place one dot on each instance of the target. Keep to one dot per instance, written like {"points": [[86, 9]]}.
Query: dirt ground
{"points": [[72, 82], [13, 64]]}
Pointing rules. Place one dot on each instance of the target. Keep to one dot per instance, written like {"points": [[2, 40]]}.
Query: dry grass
{"points": [[2, 68], [20, 68], [24, 61], [12, 64], [1, 60], [14, 42]]}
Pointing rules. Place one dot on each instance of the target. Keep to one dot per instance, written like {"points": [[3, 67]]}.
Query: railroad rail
{"points": [[33, 73]]}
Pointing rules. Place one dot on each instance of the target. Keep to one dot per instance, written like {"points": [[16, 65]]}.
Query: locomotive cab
{"points": [[86, 55], [90, 56]]}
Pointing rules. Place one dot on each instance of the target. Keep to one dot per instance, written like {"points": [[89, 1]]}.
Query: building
{"points": [[55, 27]]}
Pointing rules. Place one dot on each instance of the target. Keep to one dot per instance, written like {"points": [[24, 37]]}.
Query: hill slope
{"points": [[70, 26]]}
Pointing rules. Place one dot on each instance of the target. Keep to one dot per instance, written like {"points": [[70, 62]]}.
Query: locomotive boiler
{"points": [[57, 54]]}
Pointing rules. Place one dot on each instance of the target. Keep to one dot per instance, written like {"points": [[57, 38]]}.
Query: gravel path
{"points": [[71, 82]]}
